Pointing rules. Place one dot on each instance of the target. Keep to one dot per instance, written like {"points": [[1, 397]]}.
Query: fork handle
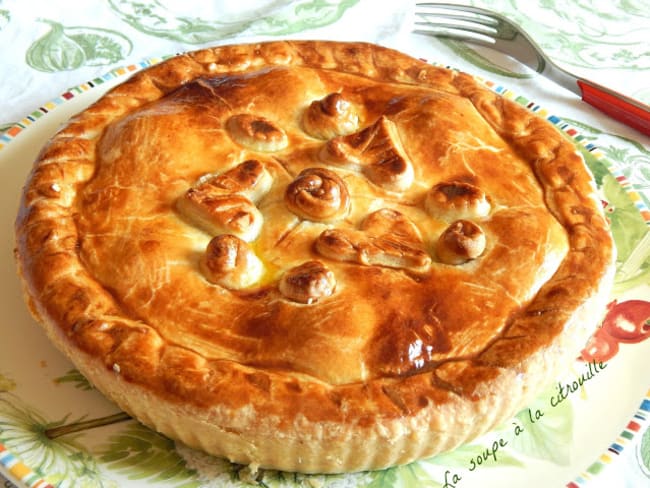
{"points": [[618, 106]]}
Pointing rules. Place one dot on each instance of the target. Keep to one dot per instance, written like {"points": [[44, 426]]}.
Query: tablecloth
{"points": [[53, 50]]}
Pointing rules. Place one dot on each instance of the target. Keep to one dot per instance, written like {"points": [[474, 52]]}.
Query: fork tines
{"points": [[456, 21]]}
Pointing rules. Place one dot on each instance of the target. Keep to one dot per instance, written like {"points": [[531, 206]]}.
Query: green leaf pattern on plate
{"points": [[64, 460], [59, 461], [143, 454], [631, 232], [217, 473], [75, 378], [644, 452], [66, 48], [410, 475], [6, 383], [630, 156], [548, 438], [460, 457]]}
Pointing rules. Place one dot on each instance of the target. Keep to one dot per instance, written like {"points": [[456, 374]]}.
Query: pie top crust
{"points": [[303, 236]]}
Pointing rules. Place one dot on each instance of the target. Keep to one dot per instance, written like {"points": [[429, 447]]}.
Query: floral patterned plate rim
{"points": [[55, 430]]}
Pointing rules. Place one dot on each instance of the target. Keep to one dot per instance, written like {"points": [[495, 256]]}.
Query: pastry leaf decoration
{"points": [[67, 48]]}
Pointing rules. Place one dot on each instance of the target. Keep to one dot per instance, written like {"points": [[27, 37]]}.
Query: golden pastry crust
{"points": [[349, 345]]}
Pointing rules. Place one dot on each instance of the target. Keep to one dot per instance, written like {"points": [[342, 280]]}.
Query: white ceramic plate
{"points": [[560, 441]]}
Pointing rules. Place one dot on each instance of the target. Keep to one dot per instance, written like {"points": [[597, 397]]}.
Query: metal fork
{"points": [[487, 28]]}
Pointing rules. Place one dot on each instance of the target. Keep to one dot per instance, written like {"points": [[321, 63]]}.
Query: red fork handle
{"points": [[624, 109]]}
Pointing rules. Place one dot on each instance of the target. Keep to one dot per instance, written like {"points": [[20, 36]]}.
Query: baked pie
{"points": [[313, 256]]}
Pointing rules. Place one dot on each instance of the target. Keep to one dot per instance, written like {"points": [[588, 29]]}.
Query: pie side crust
{"points": [[292, 382]]}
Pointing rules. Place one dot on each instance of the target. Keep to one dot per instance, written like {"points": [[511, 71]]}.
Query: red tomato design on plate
{"points": [[601, 347], [625, 322], [628, 321]]}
